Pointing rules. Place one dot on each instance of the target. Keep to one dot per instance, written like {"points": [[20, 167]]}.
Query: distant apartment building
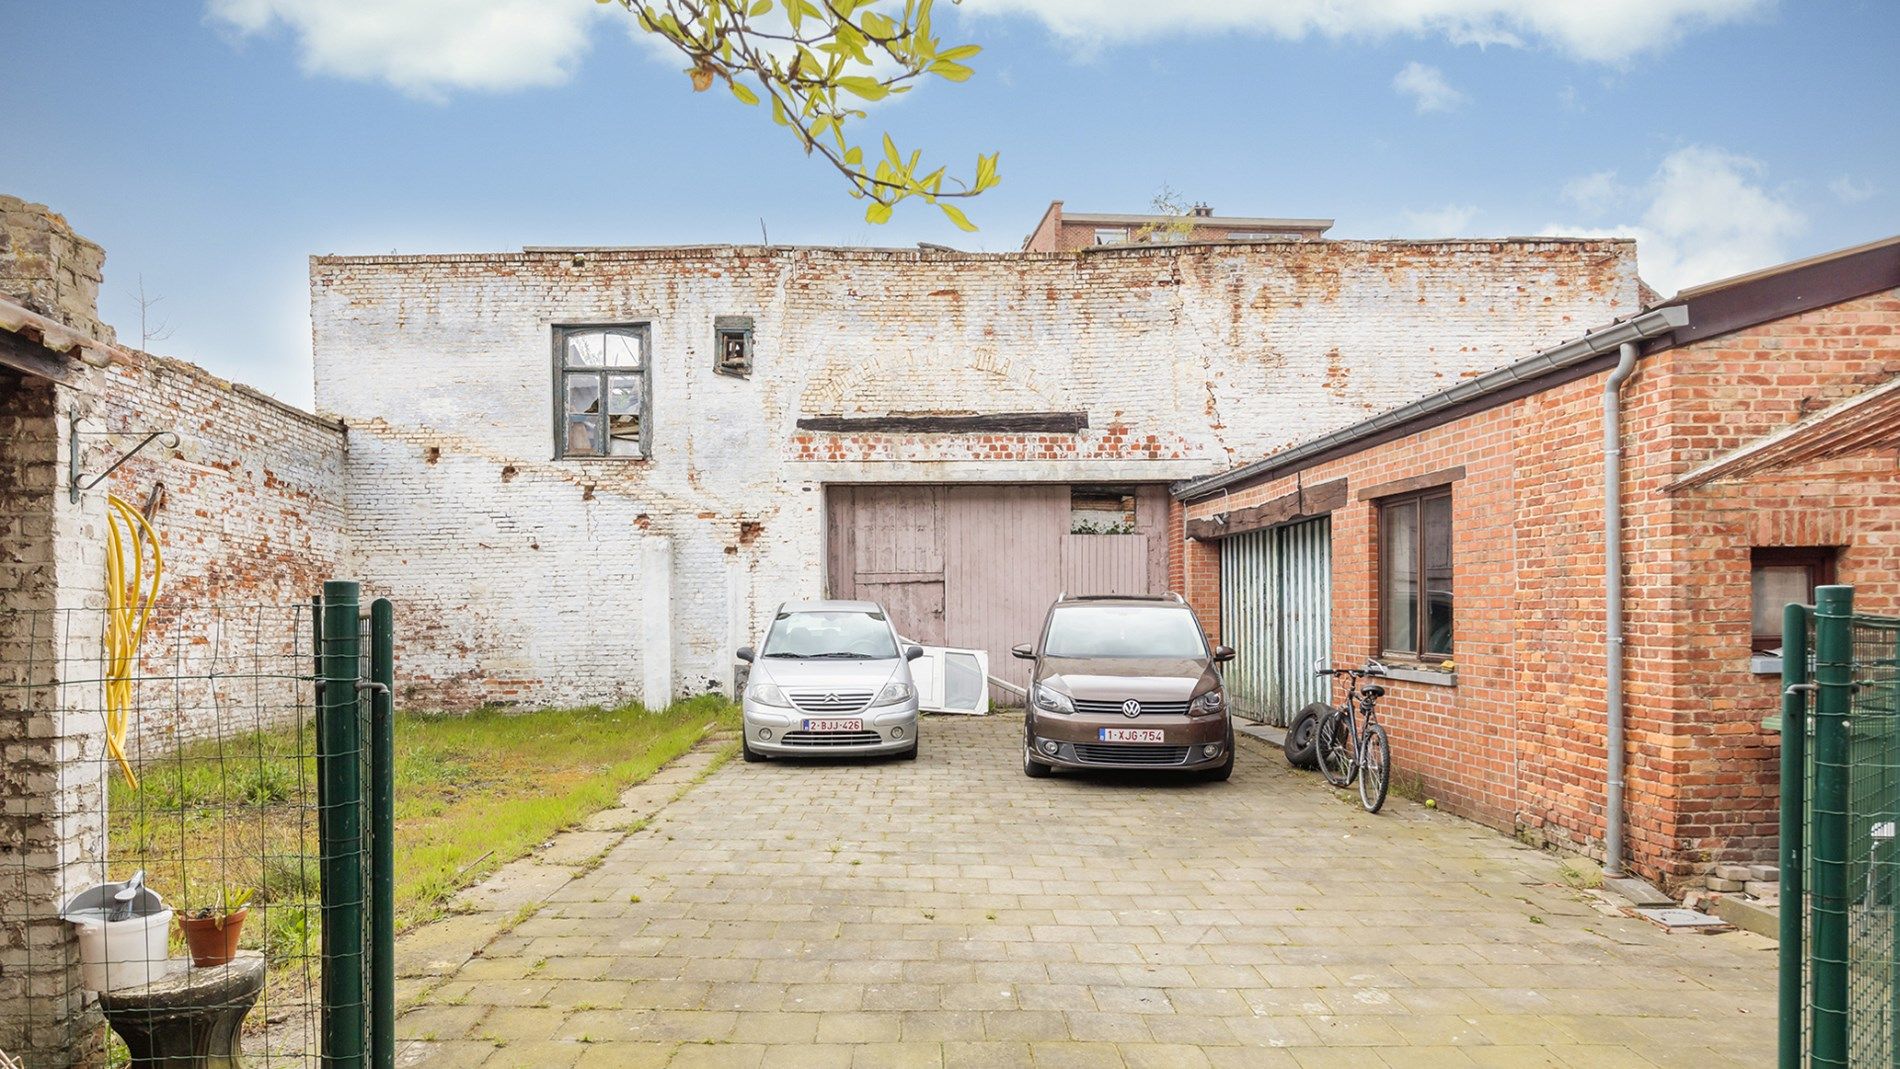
{"points": [[1063, 232]]}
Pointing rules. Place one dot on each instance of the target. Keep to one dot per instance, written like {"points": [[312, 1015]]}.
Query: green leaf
{"points": [[961, 52], [854, 155], [763, 7], [877, 212], [868, 88], [956, 216], [955, 72], [745, 95]]}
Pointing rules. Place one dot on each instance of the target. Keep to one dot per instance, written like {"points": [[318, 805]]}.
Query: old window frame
{"points": [[642, 330], [1416, 503], [1820, 562], [740, 329]]}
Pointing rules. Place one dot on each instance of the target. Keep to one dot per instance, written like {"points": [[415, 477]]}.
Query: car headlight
{"points": [[895, 692], [1052, 701], [767, 694], [1207, 704]]}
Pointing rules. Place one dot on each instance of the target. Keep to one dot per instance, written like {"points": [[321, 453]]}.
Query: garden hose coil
{"points": [[130, 592]]}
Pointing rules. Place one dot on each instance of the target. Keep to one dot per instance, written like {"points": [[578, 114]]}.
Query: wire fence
{"points": [[216, 811], [1841, 799]]}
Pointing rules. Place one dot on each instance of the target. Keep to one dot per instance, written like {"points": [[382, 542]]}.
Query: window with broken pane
{"points": [[1101, 510], [601, 388]]}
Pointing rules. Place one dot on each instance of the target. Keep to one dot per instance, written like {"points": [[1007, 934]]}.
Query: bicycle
{"points": [[1345, 750]]}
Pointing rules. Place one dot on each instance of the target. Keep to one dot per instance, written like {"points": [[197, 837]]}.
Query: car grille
{"points": [[1114, 708], [831, 738], [1130, 754], [828, 701]]}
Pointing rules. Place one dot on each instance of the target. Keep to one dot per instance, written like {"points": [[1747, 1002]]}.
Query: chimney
{"points": [[1201, 211], [48, 268]]}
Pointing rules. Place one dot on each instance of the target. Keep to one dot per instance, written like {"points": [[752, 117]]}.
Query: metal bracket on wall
{"points": [[73, 485]]}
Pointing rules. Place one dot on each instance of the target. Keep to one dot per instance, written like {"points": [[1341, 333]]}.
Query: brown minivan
{"points": [[1126, 682]]}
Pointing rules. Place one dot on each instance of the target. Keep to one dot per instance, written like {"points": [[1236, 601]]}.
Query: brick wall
{"points": [[251, 519], [48, 268], [1185, 359], [1519, 741]]}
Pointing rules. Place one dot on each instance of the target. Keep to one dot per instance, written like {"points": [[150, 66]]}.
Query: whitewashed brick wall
{"points": [[519, 574]]}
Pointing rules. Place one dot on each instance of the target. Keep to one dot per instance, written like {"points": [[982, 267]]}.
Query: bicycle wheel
{"points": [[1333, 747], [1375, 768]]}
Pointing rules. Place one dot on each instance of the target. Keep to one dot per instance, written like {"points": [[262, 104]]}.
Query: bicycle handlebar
{"points": [[1372, 668]]}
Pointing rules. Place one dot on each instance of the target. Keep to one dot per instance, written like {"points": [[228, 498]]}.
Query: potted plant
{"points": [[211, 932]]}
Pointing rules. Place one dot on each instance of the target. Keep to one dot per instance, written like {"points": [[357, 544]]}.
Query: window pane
{"points": [[622, 349], [1775, 586], [1398, 573], [1436, 513], [583, 393], [585, 348], [625, 433], [623, 394], [963, 685], [583, 437]]}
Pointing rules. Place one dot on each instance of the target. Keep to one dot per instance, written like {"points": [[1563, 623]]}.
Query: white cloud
{"points": [[1850, 190], [1603, 31], [428, 47], [1450, 221], [1708, 217], [1595, 193], [1427, 87]]}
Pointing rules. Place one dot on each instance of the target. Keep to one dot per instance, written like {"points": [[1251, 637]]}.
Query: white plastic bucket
{"points": [[121, 954]]}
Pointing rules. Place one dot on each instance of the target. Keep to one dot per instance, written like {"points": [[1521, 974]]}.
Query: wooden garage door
{"points": [[978, 565]]}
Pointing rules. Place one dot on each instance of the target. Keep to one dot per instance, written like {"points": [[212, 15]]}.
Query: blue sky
{"points": [[212, 148]]}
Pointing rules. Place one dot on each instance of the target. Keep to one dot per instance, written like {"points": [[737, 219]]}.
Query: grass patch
{"points": [[473, 793]]}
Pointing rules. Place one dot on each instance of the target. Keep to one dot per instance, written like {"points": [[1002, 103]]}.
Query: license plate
{"points": [[1130, 734], [834, 725]]}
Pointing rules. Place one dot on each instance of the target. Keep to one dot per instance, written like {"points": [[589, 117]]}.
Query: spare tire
{"points": [[1299, 736]]}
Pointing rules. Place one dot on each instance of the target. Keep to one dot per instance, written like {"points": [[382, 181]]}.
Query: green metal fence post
{"points": [[382, 877], [340, 773], [1828, 831], [1794, 760]]}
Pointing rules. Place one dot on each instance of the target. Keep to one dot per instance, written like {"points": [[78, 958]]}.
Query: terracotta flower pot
{"points": [[211, 943]]}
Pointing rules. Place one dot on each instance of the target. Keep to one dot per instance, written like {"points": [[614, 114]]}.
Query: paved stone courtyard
{"points": [[953, 913]]}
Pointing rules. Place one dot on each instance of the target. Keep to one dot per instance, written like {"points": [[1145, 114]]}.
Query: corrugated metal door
{"points": [[1249, 614], [1276, 612], [1305, 552]]}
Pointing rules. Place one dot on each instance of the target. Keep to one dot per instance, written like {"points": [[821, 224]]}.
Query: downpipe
{"points": [[1613, 608]]}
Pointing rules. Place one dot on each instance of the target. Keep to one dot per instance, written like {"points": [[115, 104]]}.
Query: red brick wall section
{"points": [[252, 522], [1518, 743]]}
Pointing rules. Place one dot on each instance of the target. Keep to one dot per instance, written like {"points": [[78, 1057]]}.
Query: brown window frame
{"points": [[1422, 618], [1820, 561]]}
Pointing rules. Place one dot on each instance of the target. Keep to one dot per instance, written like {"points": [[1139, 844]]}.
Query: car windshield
{"points": [[1123, 631], [845, 635]]}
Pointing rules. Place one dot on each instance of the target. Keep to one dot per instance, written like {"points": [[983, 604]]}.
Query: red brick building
{"points": [[1760, 433]]}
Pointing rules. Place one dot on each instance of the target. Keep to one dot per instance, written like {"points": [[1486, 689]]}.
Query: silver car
{"points": [[831, 678]]}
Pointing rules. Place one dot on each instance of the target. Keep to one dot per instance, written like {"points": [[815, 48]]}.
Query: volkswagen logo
{"points": [[1131, 707]]}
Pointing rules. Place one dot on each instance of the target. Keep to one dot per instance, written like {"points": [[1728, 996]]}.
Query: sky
{"points": [[213, 147]]}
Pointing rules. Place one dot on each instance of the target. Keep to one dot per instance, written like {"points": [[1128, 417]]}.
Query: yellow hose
{"points": [[128, 605]]}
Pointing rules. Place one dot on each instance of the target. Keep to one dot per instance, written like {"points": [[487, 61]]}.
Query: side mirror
{"points": [[911, 653], [1024, 652], [1223, 653], [745, 654]]}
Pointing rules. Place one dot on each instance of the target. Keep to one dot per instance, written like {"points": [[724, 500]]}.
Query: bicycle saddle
{"points": [[1373, 690]]}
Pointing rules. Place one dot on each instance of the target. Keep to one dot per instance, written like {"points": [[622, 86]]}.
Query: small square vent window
{"points": [[732, 346]]}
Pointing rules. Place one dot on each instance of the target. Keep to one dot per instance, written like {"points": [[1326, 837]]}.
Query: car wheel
{"points": [[1225, 769], [1299, 736], [746, 750], [1033, 768]]}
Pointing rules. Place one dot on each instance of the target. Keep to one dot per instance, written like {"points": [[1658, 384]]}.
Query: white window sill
{"points": [[1422, 675], [1763, 664]]}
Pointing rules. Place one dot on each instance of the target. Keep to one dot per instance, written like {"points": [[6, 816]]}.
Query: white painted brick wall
{"points": [[518, 573]]}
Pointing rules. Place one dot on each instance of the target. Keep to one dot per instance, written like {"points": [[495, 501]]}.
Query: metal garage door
{"points": [[976, 566], [1276, 612]]}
